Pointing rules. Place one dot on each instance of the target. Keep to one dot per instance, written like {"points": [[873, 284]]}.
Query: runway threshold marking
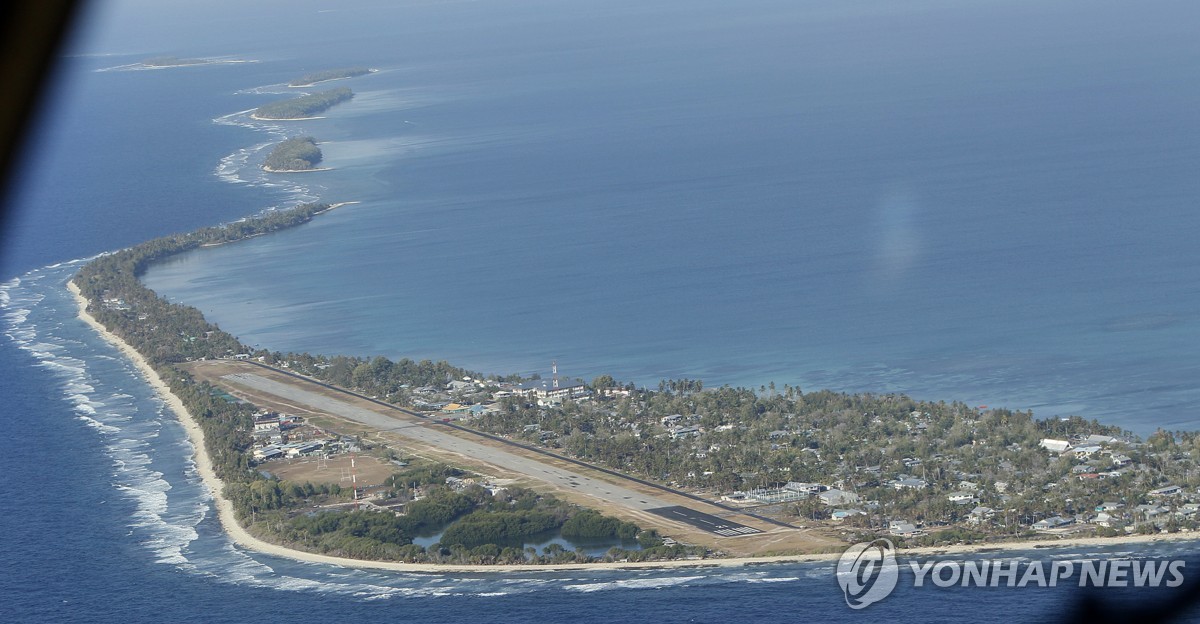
{"points": [[707, 522]]}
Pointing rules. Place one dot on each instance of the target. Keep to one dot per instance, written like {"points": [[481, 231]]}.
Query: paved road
{"points": [[708, 522], [430, 435]]}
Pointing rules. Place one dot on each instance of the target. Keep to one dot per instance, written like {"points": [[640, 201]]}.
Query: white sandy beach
{"points": [[242, 538], [270, 170], [319, 212], [257, 118], [335, 206], [317, 82]]}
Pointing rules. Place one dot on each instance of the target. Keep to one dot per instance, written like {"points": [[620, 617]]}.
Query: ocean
{"points": [[987, 202]]}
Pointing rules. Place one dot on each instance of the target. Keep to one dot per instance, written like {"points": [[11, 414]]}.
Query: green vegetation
{"points": [[166, 333], [506, 518], [486, 528], [498, 527], [329, 74], [902, 459], [294, 154], [593, 525], [436, 510], [376, 377], [355, 534], [304, 515], [305, 105]]}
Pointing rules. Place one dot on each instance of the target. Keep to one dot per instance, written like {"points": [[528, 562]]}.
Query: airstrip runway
{"points": [[432, 434]]}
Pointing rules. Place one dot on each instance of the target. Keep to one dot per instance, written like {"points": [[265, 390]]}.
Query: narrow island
{"points": [[426, 466], [303, 107], [294, 155], [174, 61], [481, 522], [170, 62], [308, 80]]}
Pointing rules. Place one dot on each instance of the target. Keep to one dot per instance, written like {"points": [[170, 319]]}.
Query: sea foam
{"points": [[153, 467]]}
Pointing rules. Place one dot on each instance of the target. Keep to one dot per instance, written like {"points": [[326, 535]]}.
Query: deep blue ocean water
{"points": [[990, 203]]}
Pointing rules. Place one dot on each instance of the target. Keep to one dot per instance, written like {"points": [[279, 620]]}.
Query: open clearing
{"points": [[624, 497], [367, 471]]}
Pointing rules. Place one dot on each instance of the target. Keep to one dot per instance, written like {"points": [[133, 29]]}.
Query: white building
{"points": [[807, 488], [962, 498], [267, 452], [548, 391], [835, 498], [981, 514], [1055, 446], [778, 495], [1053, 522]]}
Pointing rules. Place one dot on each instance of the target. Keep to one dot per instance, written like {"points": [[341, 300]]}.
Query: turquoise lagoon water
{"points": [[992, 202], [865, 200]]}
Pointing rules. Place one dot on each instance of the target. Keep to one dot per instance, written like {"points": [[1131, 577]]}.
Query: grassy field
{"points": [[370, 471]]}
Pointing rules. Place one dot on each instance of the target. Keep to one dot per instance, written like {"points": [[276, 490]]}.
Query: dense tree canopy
{"points": [[165, 333], [294, 154], [305, 105], [328, 74]]}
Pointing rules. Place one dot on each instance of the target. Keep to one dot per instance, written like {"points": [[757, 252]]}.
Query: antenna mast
{"points": [[354, 480]]}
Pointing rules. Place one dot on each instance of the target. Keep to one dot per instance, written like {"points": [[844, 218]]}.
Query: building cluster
{"points": [[793, 491], [459, 484], [283, 436], [979, 479], [114, 303], [996, 504], [1098, 459], [836, 500], [469, 397], [1150, 511]]}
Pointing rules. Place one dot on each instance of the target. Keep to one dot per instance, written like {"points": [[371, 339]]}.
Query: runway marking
{"points": [[437, 438], [701, 520]]}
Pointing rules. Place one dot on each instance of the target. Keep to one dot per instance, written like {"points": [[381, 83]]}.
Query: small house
{"points": [[1170, 490]]}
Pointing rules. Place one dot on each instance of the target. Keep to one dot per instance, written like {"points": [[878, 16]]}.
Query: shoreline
{"points": [[270, 170], [315, 83], [336, 205], [319, 212], [255, 117], [241, 537]]}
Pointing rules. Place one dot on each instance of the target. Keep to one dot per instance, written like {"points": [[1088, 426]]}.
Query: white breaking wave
{"points": [[5, 287], [244, 166], [95, 424], [634, 583], [273, 89], [153, 467], [39, 317], [139, 66]]}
